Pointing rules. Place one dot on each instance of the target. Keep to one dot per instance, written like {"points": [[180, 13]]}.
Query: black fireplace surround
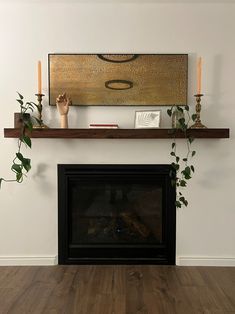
{"points": [[116, 214]]}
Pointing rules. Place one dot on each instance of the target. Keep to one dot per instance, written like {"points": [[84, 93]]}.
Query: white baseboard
{"points": [[53, 260], [28, 260], [205, 261]]}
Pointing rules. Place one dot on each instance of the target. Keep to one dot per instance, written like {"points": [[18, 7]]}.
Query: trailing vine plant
{"points": [[21, 164], [182, 167]]}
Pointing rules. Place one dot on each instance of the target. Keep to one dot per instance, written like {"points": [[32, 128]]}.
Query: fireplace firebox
{"points": [[116, 214]]}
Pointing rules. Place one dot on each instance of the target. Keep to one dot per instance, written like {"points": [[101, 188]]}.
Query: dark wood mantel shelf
{"points": [[120, 133]]}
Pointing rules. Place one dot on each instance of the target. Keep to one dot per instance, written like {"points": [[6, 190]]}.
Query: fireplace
{"points": [[116, 214]]}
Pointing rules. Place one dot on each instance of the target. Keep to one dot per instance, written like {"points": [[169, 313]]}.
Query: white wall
{"points": [[28, 32]]}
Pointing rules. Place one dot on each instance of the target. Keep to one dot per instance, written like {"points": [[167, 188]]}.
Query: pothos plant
{"points": [[183, 168], [22, 164]]}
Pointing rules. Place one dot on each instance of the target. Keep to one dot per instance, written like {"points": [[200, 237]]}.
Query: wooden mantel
{"points": [[120, 133]]}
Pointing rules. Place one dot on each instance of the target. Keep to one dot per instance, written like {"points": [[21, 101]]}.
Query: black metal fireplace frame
{"points": [[97, 254]]}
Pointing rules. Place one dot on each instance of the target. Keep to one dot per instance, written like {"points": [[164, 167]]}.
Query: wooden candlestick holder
{"points": [[197, 124]]}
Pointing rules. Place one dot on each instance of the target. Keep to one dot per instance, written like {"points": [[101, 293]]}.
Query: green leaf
{"points": [[184, 201], [29, 103], [183, 183], [37, 120], [31, 106], [186, 173], [19, 177], [21, 97], [177, 159], [29, 125], [182, 122], [192, 168], [175, 166], [185, 159], [186, 108], [179, 109], [177, 204], [26, 164], [173, 145], [193, 153], [27, 141], [187, 170], [20, 156], [172, 153], [33, 103], [187, 176], [190, 139], [169, 112], [16, 168], [25, 117], [20, 101]]}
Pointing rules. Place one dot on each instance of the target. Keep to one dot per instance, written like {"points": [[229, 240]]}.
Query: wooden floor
{"points": [[117, 290]]}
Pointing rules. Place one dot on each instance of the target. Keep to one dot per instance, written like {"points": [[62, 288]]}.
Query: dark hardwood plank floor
{"points": [[117, 290]]}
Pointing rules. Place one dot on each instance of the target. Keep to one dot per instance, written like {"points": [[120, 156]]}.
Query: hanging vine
{"points": [[183, 168]]}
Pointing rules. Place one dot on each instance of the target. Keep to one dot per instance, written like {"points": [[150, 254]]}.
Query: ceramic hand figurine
{"points": [[63, 102]]}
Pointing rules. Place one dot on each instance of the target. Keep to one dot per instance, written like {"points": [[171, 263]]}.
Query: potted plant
{"points": [[21, 164]]}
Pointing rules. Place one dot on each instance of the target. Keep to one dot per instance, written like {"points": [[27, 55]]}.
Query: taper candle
{"points": [[39, 77], [199, 75]]}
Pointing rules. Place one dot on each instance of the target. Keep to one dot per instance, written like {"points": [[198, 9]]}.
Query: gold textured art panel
{"points": [[119, 79]]}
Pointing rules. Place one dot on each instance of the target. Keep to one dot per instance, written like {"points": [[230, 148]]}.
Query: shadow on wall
{"points": [[40, 176]]}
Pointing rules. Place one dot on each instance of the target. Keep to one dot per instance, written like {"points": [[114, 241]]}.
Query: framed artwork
{"points": [[149, 119], [119, 79]]}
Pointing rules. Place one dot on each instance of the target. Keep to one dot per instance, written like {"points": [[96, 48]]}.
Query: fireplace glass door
{"points": [[116, 214]]}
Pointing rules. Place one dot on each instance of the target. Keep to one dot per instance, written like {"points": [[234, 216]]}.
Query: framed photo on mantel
{"points": [[149, 119], [119, 79]]}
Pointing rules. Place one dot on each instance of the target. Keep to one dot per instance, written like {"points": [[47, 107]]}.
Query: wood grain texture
{"points": [[119, 133], [117, 290]]}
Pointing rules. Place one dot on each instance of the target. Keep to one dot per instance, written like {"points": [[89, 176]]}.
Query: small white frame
{"points": [[149, 119]]}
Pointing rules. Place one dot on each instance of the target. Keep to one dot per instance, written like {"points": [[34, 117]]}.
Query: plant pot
{"points": [[18, 119]]}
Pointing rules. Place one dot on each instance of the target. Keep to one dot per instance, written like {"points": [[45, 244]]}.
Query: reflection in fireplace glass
{"points": [[112, 213]]}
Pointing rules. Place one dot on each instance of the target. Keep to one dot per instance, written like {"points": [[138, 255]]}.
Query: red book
{"points": [[104, 125]]}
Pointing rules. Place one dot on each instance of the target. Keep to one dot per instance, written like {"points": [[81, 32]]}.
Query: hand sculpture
{"points": [[63, 102]]}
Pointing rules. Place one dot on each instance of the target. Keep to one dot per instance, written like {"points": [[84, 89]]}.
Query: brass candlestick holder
{"points": [[40, 124], [198, 124]]}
